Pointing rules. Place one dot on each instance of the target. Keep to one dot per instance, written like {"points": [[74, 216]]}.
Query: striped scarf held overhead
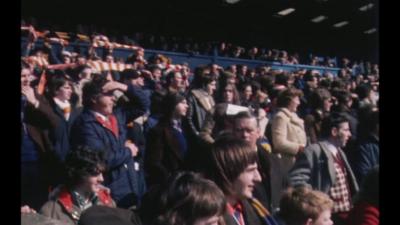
{"points": [[102, 41], [262, 212]]}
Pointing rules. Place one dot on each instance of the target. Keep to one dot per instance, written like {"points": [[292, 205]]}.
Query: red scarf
{"points": [[111, 124]]}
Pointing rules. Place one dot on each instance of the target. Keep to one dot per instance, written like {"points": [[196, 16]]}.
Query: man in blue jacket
{"points": [[103, 127]]}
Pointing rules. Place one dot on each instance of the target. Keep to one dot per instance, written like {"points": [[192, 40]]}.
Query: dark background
{"points": [[247, 23]]}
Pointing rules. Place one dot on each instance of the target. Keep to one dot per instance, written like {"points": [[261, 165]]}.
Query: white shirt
{"points": [[103, 117], [63, 105]]}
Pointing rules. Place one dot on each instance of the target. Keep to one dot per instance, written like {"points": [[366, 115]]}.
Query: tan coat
{"points": [[287, 132]]}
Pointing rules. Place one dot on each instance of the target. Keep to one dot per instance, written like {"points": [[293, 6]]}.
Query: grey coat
{"points": [[315, 167]]}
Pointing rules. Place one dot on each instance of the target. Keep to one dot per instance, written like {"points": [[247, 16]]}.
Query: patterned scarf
{"points": [[262, 212]]}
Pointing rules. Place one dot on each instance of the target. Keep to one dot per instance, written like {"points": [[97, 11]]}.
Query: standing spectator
{"points": [[367, 154], [320, 102], [59, 96], [344, 106], [228, 94], [167, 146], [38, 159], [247, 95], [174, 82], [324, 166], [100, 126], [288, 134], [200, 103]]}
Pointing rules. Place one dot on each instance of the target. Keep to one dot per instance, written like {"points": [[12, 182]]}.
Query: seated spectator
{"points": [[233, 167], [186, 198], [103, 215], [247, 128], [38, 219], [83, 189], [304, 206]]}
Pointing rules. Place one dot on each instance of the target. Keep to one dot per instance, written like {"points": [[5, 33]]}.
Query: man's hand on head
{"points": [[114, 85]]}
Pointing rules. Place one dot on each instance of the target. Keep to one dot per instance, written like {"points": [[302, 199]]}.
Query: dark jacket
{"points": [[366, 157], [163, 154], [60, 135], [250, 216], [198, 108], [121, 176], [274, 180], [39, 123]]}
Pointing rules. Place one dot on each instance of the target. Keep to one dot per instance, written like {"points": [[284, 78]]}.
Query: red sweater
{"points": [[364, 214]]}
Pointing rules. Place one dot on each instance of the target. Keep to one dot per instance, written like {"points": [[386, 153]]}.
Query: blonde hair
{"points": [[299, 204]]}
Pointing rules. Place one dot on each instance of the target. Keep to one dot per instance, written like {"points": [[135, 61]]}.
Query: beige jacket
{"points": [[288, 132]]}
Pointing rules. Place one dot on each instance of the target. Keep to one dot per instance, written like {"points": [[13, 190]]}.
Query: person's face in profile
{"points": [[25, 77], [104, 104], [181, 108], [64, 92], [91, 184], [244, 185]]}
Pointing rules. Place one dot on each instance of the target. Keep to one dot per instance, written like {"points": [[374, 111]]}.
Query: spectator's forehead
{"points": [[25, 72]]}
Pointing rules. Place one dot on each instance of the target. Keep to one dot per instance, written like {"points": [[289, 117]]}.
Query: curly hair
{"points": [[83, 162], [299, 204]]}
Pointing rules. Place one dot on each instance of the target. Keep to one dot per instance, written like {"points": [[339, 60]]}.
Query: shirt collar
{"points": [[62, 104], [236, 207], [103, 117], [331, 147], [176, 124], [81, 202]]}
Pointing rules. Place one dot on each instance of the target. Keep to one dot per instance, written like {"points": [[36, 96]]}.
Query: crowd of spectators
{"points": [[145, 141]]}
